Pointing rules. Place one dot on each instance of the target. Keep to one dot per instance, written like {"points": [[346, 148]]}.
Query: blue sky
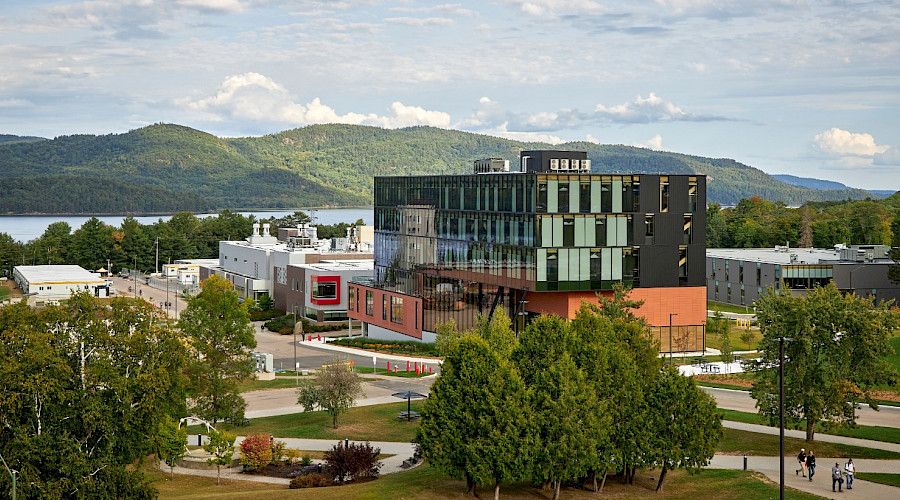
{"points": [[808, 88]]}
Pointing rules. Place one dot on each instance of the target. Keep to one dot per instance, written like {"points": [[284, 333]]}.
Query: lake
{"points": [[28, 227]]}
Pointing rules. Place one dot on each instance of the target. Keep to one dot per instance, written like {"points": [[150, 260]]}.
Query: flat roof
{"points": [[58, 274], [777, 256], [342, 265]]}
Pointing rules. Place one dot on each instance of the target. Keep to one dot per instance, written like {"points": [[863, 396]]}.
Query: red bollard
{"points": [[407, 366], [318, 337], [417, 368], [389, 367], [395, 368], [430, 371]]}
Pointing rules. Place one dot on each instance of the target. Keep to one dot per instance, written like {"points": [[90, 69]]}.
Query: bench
{"points": [[408, 415], [708, 368]]}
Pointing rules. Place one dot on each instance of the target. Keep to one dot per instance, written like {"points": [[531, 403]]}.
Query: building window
{"points": [[281, 275], [740, 272], [758, 274], [370, 303], [584, 198], [688, 230], [568, 232], [325, 290], [312, 314], [563, 199], [693, 194], [541, 197], [552, 266], [648, 225], [385, 306], [351, 302], [682, 265], [397, 310], [664, 193]]}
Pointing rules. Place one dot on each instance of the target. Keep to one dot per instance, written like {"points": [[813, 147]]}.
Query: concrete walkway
{"points": [[826, 438], [390, 465], [821, 483]]}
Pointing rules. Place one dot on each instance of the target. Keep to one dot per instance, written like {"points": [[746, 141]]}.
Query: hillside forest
{"points": [[752, 223], [173, 168]]}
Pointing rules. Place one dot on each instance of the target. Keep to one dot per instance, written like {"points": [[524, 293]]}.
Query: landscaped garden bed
{"points": [[409, 348]]}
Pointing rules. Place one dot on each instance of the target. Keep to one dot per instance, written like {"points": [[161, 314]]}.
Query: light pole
{"points": [[781, 341], [12, 475], [297, 326], [670, 336]]}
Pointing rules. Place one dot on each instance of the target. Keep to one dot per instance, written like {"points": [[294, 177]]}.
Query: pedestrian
{"points": [[811, 464], [837, 477], [801, 458], [851, 471]]}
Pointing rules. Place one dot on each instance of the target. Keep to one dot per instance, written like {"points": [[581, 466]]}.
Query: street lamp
{"points": [[12, 475], [781, 341], [297, 326], [670, 336]]}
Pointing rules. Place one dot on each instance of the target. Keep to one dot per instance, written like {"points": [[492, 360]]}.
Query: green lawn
{"points": [[894, 359], [373, 423], [425, 482], [880, 477], [875, 433], [728, 308], [737, 442], [4, 292], [401, 372]]}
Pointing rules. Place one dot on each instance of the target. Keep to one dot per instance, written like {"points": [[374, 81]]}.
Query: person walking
{"points": [[801, 458], [811, 464], [851, 471], [837, 477]]}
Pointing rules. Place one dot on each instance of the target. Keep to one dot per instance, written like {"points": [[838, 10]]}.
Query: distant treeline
{"points": [[758, 223], [133, 245]]}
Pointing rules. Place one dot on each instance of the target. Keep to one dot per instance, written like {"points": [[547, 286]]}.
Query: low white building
{"points": [[187, 270], [59, 281]]}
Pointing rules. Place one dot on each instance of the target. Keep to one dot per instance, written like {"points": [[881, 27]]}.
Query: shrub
{"points": [[291, 455], [256, 452], [306, 460], [311, 481], [258, 315], [277, 451], [354, 461]]}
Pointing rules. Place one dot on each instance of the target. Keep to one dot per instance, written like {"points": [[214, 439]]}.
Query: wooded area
{"points": [[319, 165]]}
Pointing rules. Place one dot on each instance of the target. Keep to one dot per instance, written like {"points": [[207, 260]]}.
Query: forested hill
{"points": [[319, 165]]}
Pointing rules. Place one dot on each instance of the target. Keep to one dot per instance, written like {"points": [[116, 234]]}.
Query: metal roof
{"points": [[58, 274], [782, 255]]}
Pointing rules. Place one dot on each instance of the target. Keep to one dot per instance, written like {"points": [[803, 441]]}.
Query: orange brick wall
{"points": [[688, 302]]}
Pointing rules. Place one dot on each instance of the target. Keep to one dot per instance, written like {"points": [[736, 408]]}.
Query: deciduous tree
{"points": [[836, 357], [334, 390], [218, 328], [221, 447]]}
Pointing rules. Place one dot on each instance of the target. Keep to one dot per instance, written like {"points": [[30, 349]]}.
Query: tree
{"points": [[894, 269], [835, 359], [218, 328], [265, 302], [221, 447], [476, 424], [717, 325], [334, 390], [85, 390], [686, 424], [171, 443]]}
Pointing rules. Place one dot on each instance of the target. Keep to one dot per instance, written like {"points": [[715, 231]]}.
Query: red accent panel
{"points": [[327, 279], [412, 311]]}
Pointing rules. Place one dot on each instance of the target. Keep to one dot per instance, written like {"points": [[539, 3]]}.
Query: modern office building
{"points": [[739, 276], [538, 240], [319, 291], [57, 282]]}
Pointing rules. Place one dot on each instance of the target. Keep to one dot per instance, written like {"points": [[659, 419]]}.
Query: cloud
{"points": [[256, 97], [843, 143], [649, 110], [225, 6], [654, 143], [14, 103], [447, 9], [420, 22], [890, 157], [502, 130], [559, 7]]}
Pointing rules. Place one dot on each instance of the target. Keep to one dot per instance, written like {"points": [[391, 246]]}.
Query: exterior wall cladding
{"points": [[540, 242]]}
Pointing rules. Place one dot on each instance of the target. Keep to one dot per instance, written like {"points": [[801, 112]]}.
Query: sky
{"points": [[808, 88]]}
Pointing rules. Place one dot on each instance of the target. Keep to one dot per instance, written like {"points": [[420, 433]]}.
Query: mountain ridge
{"points": [[334, 165]]}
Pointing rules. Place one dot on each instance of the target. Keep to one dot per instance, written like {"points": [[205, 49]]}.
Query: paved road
{"points": [[888, 416], [126, 288], [821, 483]]}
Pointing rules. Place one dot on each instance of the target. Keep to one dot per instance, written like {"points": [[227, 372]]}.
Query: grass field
{"points": [[728, 308], [425, 482], [372, 423], [876, 433], [256, 385], [894, 359], [880, 477], [736, 442]]}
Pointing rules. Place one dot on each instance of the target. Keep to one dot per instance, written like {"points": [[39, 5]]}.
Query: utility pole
{"points": [[12, 475], [157, 255], [670, 336]]}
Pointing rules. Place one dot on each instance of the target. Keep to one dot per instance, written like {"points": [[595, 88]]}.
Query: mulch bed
{"points": [[282, 471]]}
